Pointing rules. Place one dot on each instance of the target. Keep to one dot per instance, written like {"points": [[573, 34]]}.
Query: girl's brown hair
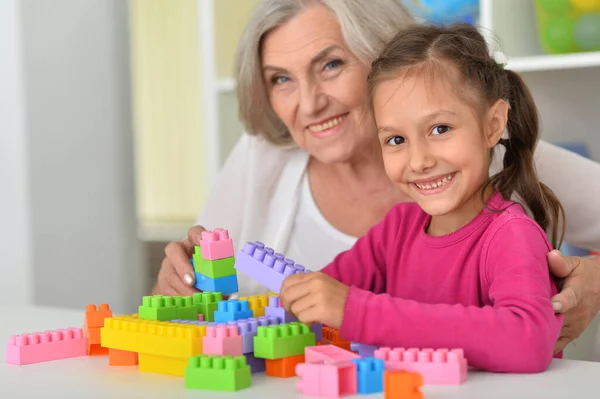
{"points": [[460, 50]]}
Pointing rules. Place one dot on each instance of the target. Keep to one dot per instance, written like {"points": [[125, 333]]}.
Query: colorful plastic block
{"points": [[94, 347], [213, 268], [257, 303], [284, 367], [328, 380], [162, 364], [222, 340], [257, 365], [438, 367], [328, 353], [274, 309], [217, 373], [118, 357], [248, 328], [366, 350], [332, 336], [47, 346], [225, 285], [317, 328], [158, 338], [94, 317], [207, 303], [200, 317], [265, 266], [158, 307], [232, 310], [283, 340], [369, 375], [216, 244], [402, 385]]}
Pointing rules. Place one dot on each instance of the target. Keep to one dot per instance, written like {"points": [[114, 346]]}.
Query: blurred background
{"points": [[116, 116]]}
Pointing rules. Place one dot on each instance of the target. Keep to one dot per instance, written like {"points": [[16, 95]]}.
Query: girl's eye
{"points": [[395, 140], [277, 79], [440, 129], [333, 64]]}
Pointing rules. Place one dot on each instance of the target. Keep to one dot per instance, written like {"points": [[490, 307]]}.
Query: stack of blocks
{"points": [[214, 262], [94, 321]]}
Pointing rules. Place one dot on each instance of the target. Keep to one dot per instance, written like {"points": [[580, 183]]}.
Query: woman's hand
{"points": [[579, 298], [176, 275], [314, 298]]}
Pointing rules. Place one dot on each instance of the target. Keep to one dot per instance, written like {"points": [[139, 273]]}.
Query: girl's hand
{"points": [[314, 298]]}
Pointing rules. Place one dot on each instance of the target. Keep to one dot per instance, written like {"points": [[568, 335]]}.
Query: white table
{"points": [[91, 377]]}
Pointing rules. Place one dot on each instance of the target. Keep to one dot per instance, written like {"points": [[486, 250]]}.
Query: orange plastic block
{"points": [[331, 336], [94, 317], [399, 384], [284, 367], [122, 358], [94, 348]]}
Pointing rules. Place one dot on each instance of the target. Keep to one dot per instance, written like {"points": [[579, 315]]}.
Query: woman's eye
{"points": [[440, 129], [275, 80], [333, 64], [395, 140]]}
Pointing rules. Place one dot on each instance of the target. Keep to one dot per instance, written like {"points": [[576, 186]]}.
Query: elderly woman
{"points": [[308, 179]]}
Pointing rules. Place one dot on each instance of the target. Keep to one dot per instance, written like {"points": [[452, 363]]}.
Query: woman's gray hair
{"points": [[366, 26]]}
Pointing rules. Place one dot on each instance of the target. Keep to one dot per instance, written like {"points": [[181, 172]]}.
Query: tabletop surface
{"points": [[91, 377]]}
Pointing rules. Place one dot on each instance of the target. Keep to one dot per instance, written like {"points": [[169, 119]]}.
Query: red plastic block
{"points": [[331, 336], [222, 340], [216, 244], [330, 380], [402, 385], [438, 367], [94, 317], [328, 353], [284, 367], [118, 357], [43, 347]]}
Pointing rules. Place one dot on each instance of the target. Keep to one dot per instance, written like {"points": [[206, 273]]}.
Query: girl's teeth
{"points": [[441, 182]]}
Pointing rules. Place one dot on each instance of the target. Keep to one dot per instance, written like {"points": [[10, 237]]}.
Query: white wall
{"points": [[77, 167], [15, 233]]}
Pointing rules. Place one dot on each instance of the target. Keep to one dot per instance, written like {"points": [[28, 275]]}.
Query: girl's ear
{"points": [[496, 120]]}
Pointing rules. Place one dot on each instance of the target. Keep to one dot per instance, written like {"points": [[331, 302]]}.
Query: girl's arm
{"points": [[516, 333]]}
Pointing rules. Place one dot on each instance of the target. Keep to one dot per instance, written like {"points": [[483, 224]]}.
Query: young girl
{"points": [[462, 266]]}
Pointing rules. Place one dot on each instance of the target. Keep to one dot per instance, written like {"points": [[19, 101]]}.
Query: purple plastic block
{"points": [[318, 330], [354, 346], [247, 329], [366, 350], [256, 364], [265, 266], [274, 310]]}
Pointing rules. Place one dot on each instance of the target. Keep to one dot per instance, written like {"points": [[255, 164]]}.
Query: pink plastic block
{"points": [[216, 244], [200, 317], [328, 353], [330, 380], [43, 347], [222, 340], [438, 367]]}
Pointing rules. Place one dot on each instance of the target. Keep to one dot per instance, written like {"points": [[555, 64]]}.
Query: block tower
{"points": [[214, 262]]}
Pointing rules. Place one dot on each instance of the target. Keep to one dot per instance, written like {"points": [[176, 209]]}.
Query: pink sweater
{"points": [[485, 288]]}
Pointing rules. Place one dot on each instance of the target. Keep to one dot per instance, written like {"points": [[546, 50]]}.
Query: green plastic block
{"points": [[207, 303], [217, 373], [186, 310], [214, 268], [157, 307], [282, 340]]}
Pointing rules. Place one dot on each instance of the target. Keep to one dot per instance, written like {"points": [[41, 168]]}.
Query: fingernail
{"points": [[556, 306], [189, 280]]}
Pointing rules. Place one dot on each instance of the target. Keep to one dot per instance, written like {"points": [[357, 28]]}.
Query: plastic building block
{"points": [[332, 336], [369, 375], [283, 340], [94, 317], [206, 302], [317, 328], [157, 307], [232, 310], [222, 340], [217, 373], [438, 367], [122, 358], [200, 317], [216, 244], [274, 309], [46, 346], [284, 367], [265, 266], [257, 303], [402, 385], [257, 365], [248, 328], [328, 353], [158, 338], [213, 268], [225, 285], [330, 380], [162, 364], [94, 348], [366, 350]]}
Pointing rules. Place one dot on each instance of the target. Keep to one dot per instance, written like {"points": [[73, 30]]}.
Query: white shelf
{"points": [[225, 85], [554, 62], [163, 231]]}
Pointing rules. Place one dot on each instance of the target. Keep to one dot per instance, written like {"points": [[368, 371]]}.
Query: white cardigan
{"points": [[257, 194]]}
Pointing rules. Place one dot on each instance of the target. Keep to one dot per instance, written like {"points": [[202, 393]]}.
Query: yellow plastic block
{"points": [[160, 338], [257, 303], [162, 364]]}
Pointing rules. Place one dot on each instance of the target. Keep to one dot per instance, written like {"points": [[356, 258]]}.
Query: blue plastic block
{"points": [[232, 310], [225, 285], [366, 350], [369, 375]]}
